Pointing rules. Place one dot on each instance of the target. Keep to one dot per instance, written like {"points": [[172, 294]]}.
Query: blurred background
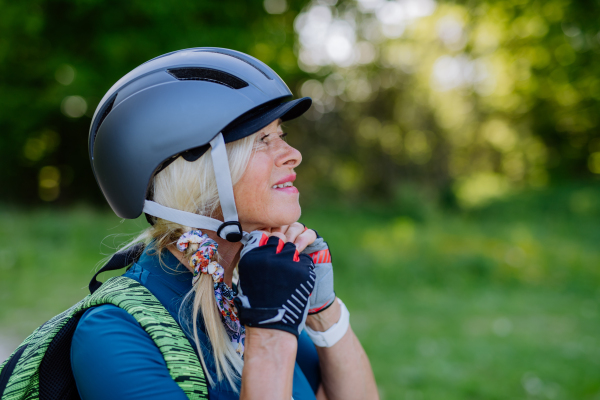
{"points": [[451, 159]]}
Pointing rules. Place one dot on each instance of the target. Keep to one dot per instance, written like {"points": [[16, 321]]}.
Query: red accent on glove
{"points": [[316, 310], [321, 256], [263, 240], [279, 246]]}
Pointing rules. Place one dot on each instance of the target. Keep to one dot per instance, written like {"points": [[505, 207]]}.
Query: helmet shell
{"points": [[151, 115]]}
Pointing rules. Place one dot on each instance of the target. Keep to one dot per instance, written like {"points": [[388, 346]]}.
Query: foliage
{"points": [[473, 100], [496, 303], [59, 57], [480, 97]]}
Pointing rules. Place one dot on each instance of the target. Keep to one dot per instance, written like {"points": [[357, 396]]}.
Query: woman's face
{"points": [[261, 200]]}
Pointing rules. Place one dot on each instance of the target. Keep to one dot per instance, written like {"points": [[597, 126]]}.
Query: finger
{"points": [[290, 248], [279, 235], [304, 239], [294, 231], [283, 229]]}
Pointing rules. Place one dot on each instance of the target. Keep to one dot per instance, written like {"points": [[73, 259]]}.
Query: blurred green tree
{"points": [[59, 57], [471, 99]]}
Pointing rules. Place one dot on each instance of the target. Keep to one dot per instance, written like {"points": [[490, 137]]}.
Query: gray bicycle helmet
{"points": [[179, 104]]}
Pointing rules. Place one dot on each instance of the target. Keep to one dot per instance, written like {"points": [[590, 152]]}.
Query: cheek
{"points": [[257, 203], [252, 191]]}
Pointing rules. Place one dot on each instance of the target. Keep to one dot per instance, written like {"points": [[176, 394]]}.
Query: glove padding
{"points": [[275, 284], [323, 294]]}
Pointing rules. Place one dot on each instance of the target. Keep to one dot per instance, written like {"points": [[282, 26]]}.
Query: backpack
{"points": [[40, 368]]}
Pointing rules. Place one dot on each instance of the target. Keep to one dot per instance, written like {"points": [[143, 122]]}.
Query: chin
{"points": [[285, 216]]}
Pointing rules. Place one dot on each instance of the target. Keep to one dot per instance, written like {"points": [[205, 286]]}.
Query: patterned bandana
{"points": [[203, 262]]}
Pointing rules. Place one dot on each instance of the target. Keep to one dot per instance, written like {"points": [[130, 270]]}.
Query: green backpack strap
{"points": [[182, 362], [23, 380]]}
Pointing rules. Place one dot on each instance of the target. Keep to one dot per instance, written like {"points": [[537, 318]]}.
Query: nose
{"points": [[288, 156]]}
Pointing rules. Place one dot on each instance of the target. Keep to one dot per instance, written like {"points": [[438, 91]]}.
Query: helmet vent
{"points": [[249, 62], [208, 74]]}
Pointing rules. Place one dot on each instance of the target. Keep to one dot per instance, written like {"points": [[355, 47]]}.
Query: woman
{"points": [[157, 145]]}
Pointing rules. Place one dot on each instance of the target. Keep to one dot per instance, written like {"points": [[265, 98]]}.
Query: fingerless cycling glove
{"points": [[323, 294], [275, 284]]}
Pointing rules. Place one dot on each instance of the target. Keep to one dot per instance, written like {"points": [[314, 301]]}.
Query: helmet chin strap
{"points": [[231, 229]]}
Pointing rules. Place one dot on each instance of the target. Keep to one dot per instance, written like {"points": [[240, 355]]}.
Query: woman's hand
{"points": [[345, 369], [295, 233], [275, 284], [307, 241], [272, 302]]}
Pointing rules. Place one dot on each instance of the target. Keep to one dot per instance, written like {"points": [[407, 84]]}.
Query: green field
{"points": [[502, 302]]}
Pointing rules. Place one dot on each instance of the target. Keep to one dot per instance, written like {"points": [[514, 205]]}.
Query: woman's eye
{"points": [[268, 136]]}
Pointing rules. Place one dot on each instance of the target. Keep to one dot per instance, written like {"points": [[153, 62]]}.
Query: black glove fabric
{"points": [[275, 284]]}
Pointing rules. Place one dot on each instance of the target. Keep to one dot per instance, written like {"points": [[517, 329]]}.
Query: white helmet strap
{"points": [[230, 229]]}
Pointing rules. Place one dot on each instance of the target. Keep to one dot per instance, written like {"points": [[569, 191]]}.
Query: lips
{"points": [[289, 178], [285, 184]]}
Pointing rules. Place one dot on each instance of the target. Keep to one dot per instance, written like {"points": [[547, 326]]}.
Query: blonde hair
{"points": [[192, 187]]}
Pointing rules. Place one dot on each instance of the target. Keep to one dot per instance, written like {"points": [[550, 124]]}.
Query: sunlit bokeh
{"points": [[478, 92]]}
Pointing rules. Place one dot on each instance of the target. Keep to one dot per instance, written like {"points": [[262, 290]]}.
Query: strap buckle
{"points": [[226, 231]]}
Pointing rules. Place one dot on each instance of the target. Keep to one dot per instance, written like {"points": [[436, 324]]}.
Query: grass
{"points": [[496, 303]]}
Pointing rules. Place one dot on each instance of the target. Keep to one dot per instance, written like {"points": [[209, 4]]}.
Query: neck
{"points": [[229, 255]]}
